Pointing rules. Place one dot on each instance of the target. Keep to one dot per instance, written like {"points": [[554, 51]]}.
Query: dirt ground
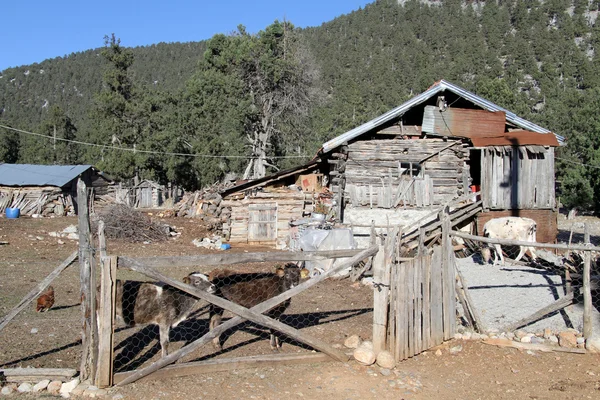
{"points": [[331, 311]]}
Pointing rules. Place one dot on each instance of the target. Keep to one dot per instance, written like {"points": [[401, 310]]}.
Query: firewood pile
{"points": [[123, 222], [44, 201], [206, 205]]}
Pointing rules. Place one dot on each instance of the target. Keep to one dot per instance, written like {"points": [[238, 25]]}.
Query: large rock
{"points": [[364, 353], [54, 387], [67, 387], [41, 385], [352, 342], [7, 390], [567, 339], [24, 388], [386, 360]]}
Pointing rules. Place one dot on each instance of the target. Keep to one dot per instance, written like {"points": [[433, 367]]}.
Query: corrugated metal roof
{"points": [[39, 175], [426, 95]]}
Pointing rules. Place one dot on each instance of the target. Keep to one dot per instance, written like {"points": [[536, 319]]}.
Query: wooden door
{"points": [[262, 222], [146, 198]]}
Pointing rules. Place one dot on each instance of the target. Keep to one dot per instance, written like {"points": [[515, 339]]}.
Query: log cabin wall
{"points": [[517, 177], [263, 217], [394, 172]]}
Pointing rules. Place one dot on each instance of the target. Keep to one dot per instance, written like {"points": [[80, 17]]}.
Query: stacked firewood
{"points": [[205, 204], [40, 201]]}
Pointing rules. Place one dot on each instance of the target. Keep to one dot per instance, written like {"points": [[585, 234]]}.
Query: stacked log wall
{"points": [[374, 175], [290, 205], [45, 201]]}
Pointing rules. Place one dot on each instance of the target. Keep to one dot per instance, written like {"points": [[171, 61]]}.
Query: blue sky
{"points": [[35, 30]]}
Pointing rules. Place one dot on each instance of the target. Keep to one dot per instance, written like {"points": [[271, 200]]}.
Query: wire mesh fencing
{"points": [[150, 312], [529, 293], [47, 332]]}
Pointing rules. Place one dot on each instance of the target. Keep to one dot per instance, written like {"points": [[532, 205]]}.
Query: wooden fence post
{"points": [[380, 300], [587, 294], [448, 277], [87, 281], [106, 318], [101, 239]]}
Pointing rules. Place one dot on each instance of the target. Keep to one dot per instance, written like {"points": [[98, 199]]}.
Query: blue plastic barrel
{"points": [[13, 212]]}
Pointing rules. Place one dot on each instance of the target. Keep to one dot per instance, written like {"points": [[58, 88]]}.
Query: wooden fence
{"points": [[414, 300], [422, 306], [104, 372]]}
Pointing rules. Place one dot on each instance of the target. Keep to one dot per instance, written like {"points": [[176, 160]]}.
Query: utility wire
{"points": [[577, 163], [137, 150]]}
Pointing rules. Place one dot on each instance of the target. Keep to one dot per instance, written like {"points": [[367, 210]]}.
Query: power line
{"points": [[577, 163], [166, 153]]}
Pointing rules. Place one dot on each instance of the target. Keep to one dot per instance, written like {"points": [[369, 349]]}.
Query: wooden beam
{"points": [[470, 307], [531, 346], [37, 374], [555, 306], [87, 284], [35, 292], [101, 239], [380, 300], [263, 307], [106, 321], [587, 294], [229, 258], [229, 364], [506, 242], [438, 152]]}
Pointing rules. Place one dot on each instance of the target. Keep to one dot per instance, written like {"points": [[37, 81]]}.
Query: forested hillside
{"points": [[251, 103]]}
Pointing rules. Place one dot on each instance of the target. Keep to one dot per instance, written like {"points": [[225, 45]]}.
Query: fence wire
{"points": [[330, 311], [543, 281], [47, 333]]}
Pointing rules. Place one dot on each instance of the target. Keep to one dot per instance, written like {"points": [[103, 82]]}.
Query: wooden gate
{"points": [[422, 311], [105, 375], [262, 222]]}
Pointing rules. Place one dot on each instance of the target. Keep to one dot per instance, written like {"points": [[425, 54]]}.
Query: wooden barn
{"points": [[434, 149], [47, 189]]}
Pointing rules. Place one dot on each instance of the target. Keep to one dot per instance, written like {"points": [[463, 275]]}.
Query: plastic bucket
{"points": [[225, 246], [13, 212]]}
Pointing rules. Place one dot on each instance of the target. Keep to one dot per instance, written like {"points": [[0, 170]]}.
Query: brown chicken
{"points": [[46, 300]]}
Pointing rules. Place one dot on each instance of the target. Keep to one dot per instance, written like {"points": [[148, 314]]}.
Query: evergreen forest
{"points": [[248, 104]]}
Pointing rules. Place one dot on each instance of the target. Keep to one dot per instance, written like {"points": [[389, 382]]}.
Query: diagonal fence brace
{"points": [[253, 314]]}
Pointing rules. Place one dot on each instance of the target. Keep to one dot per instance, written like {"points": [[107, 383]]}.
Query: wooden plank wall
{"points": [[516, 178], [376, 174], [422, 305], [290, 204]]}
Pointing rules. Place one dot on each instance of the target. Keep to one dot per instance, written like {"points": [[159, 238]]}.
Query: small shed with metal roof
{"points": [[47, 189]]}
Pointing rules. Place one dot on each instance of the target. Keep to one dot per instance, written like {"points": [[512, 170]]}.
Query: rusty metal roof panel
{"points": [[426, 95], [516, 138], [463, 122]]}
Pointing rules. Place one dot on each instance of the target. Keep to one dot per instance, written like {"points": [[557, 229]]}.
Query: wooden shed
{"points": [[260, 211], [47, 189], [436, 148]]}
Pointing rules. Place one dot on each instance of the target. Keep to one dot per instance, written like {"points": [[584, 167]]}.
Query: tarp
{"points": [[330, 239]]}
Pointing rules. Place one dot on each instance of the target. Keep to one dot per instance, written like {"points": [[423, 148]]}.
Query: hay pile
{"points": [[123, 222]]}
